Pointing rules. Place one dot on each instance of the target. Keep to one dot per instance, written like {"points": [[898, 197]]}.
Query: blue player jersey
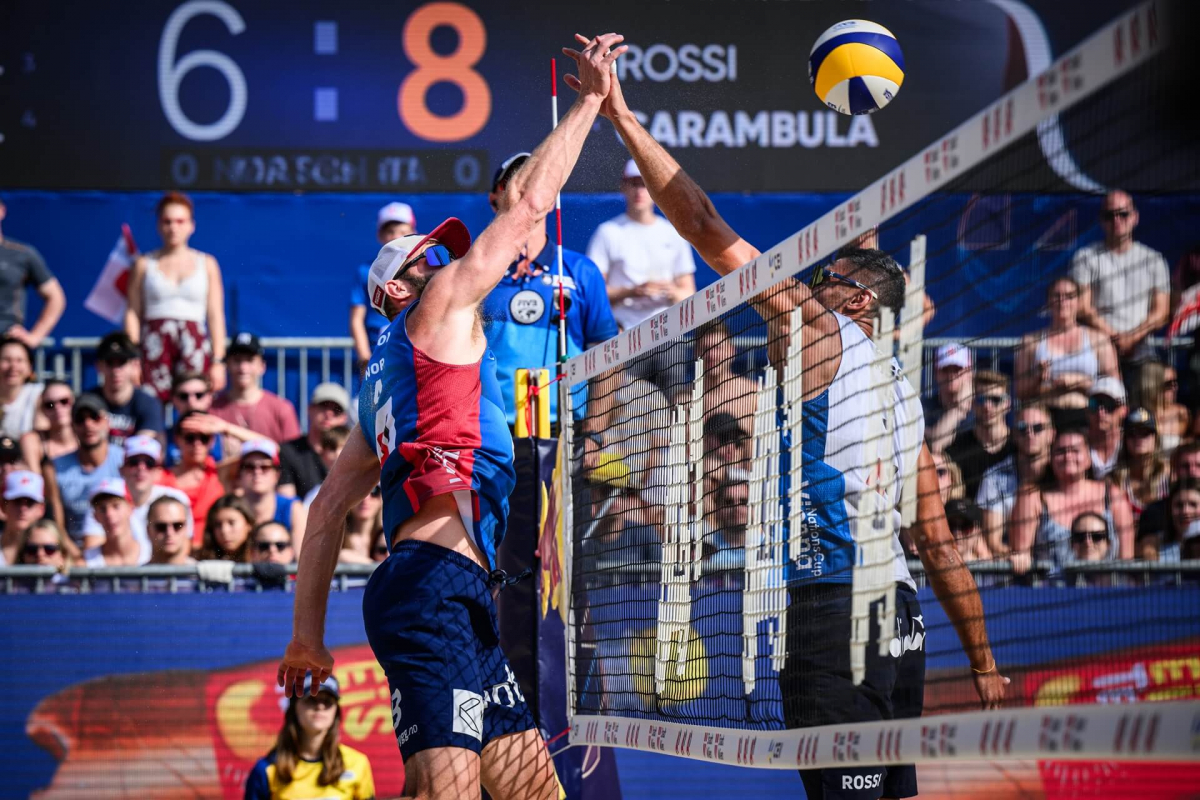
{"points": [[522, 318], [438, 429]]}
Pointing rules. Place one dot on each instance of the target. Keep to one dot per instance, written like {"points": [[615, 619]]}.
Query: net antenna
{"points": [[683, 547]]}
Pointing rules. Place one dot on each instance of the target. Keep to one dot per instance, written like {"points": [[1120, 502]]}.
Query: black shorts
{"points": [[818, 688]]}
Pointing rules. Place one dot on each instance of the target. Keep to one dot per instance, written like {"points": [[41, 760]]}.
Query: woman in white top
{"points": [[18, 396], [177, 304]]}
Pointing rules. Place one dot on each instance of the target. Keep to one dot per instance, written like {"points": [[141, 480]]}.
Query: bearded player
{"points": [[839, 311], [433, 435]]}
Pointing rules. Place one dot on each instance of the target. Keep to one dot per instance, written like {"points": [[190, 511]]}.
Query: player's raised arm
{"points": [[532, 190], [952, 583], [352, 477], [691, 211]]}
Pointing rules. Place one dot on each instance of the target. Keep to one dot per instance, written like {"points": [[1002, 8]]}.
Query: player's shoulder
{"points": [[15, 247]]}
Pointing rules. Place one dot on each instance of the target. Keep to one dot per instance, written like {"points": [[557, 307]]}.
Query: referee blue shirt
{"points": [[522, 318]]}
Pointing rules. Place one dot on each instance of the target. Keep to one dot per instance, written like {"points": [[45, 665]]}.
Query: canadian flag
{"points": [[1187, 318], [107, 298]]}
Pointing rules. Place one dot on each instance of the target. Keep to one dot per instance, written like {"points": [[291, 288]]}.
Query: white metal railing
{"points": [[334, 356]]}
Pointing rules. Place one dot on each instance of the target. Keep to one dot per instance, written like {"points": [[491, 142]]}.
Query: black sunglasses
{"points": [[990, 399], [1106, 403], [1025, 427], [192, 438], [1096, 537], [65, 402], [192, 395], [166, 527], [823, 273], [34, 549], [87, 414], [266, 547], [1120, 213]]}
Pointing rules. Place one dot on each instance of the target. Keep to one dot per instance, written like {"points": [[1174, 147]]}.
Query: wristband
{"points": [[992, 668]]}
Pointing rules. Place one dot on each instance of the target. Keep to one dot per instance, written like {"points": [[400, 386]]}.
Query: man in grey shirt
{"points": [[1125, 285], [21, 266]]}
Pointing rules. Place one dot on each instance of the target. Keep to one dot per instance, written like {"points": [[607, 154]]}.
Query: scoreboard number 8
{"points": [[456, 68]]}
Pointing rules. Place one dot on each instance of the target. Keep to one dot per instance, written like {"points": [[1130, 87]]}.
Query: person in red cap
{"points": [[432, 433]]}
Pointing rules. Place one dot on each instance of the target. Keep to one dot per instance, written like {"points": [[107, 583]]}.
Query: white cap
{"points": [[452, 233], [395, 212], [113, 487], [631, 170], [953, 355], [265, 447], [22, 483], [143, 446], [331, 393], [1109, 387]]}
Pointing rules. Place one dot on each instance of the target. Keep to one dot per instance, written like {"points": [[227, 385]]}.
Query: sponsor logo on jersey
{"points": [[527, 307]]}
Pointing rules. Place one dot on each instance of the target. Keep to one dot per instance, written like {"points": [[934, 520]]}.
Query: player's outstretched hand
{"points": [[300, 658], [991, 687], [595, 62], [614, 102]]}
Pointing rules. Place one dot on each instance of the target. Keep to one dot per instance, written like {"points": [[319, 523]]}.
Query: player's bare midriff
{"points": [[438, 522]]}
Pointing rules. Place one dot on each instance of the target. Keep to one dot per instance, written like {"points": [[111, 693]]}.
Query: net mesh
{"points": [[743, 498]]}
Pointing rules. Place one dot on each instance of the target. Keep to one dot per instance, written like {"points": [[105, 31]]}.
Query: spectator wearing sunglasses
{"points": [[258, 482], [989, 440], [1142, 472], [18, 392], [1105, 416], [169, 520], [1157, 390], [1090, 543], [364, 523], [96, 460], [109, 500], [1032, 437], [271, 543], [1125, 284], [53, 435], [44, 544], [1059, 365], [196, 473], [192, 394], [24, 504], [301, 467], [331, 444], [964, 519], [1045, 510]]}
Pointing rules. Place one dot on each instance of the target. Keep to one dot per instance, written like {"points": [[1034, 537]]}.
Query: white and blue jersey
{"points": [[833, 468], [522, 319]]}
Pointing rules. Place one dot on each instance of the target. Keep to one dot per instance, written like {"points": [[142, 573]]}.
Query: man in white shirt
{"points": [[648, 268], [1106, 417], [110, 505], [1125, 285]]}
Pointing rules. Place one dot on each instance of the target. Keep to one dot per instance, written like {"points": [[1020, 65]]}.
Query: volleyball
{"points": [[856, 67]]}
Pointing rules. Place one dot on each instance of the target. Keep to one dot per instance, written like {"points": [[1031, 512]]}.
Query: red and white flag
{"points": [[107, 298], [1187, 318]]}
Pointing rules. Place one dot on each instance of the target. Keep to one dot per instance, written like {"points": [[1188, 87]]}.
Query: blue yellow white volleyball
{"points": [[856, 67]]}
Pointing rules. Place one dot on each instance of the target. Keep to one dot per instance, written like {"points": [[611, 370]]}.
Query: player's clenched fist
{"points": [[595, 62]]}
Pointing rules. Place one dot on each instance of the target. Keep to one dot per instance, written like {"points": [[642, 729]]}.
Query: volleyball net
{"points": [[736, 470]]}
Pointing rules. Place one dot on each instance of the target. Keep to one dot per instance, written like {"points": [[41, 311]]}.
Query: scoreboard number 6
{"points": [[172, 72], [456, 68]]}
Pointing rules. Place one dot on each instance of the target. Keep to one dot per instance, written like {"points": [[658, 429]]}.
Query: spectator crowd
{"points": [[1084, 452]]}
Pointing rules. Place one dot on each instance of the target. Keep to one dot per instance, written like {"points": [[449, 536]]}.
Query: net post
{"points": [[521, 390], [567, 521]]}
